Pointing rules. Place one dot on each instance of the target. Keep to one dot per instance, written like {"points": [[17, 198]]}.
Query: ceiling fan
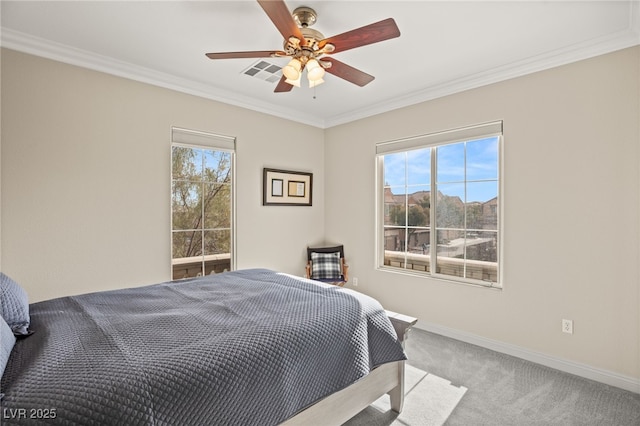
{"points": [[306, 47]]}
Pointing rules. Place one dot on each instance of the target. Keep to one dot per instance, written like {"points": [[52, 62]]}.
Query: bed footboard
{"points": [[402, 324], [339, 407], [388, 378]]}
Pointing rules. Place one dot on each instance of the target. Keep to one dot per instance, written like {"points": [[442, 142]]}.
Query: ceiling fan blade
{"points": [[347, 72], [283, 86], [279, 14], [250, 54], [369, 34]]}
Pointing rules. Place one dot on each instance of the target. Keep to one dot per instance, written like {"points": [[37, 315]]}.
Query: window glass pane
{"points": [[419, 167], [482, 159], [482, 256], [394, 238], [187, 210], [187, 244], [474, 216], [450, 206], [217, 251], [482, 210], [217, 208], [186, 163], [187, 254], [217, 242], [450, 163], [217, 166], [489, 272], [395, 202], [397, 215], [490, 215], [419, 200], [395, 167], [418, 216], [481, 192], [450, 242], [418, 240], [451, 246], [482, 246]]}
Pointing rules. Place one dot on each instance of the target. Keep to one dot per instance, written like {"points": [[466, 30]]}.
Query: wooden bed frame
{"points": [[388, 378]]}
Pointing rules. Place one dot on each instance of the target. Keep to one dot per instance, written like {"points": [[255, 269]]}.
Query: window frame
{"points": [[187, 138], [438, 139]]}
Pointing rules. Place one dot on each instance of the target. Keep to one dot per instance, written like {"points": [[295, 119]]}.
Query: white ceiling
{"points": [[444, 47]]}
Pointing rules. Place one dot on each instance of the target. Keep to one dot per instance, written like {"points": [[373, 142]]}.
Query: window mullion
{"points": [[202, 197], [465, 211], [433, 237], [406, 209]]}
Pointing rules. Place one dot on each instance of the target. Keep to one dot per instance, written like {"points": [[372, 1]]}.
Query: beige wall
{"points": [[571, 212], [86, 179]]}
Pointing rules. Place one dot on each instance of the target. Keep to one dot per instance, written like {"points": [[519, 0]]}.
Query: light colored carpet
{"points": [[429, 400], [509, 391]]}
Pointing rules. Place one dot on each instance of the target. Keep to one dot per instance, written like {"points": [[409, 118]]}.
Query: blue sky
{"points": [[481, 170]]}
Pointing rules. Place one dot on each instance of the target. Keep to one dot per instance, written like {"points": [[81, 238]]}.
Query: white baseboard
{"points": [[599, 375]]}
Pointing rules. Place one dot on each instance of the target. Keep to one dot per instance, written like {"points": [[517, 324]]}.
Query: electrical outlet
{"points": [[567, 326], [355, 281]]}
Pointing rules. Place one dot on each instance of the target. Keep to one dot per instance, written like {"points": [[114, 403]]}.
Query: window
{"points": [[439, 204], [201, 203]]}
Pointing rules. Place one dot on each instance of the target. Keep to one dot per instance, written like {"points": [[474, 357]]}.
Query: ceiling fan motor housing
{"points": [[304, 16], [311, 48]]}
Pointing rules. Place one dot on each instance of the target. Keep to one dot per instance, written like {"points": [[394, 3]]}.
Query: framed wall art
{"points": [[286, 188]]}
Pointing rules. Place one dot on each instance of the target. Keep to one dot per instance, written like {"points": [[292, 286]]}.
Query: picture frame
{"points": [[286, 188]]}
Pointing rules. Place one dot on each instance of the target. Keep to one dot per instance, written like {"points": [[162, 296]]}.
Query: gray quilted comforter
{"points": [[249, 347]]}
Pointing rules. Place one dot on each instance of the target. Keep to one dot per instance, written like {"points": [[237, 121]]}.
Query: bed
{"points": [[240, 348]]}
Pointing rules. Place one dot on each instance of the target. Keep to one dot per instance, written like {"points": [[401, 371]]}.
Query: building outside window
{"points": [[439, 205], [201, 203]]}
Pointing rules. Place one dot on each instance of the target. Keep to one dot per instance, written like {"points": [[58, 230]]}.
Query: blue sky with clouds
{"points": [[476, 160]]}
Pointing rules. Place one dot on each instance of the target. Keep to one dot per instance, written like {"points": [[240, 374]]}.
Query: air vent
{"points": [[264, 70]]}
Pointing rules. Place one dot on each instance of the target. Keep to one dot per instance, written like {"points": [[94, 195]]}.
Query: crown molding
{"points": [[577, 52], [40, 47], [36, 46]]}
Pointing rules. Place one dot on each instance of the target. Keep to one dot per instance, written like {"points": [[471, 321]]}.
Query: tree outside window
{"points": [[201, 210]]}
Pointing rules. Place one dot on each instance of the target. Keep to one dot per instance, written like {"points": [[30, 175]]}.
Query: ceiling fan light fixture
{"points": [[294, 81], [314, 71], [314, 83], [292, 70]]}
